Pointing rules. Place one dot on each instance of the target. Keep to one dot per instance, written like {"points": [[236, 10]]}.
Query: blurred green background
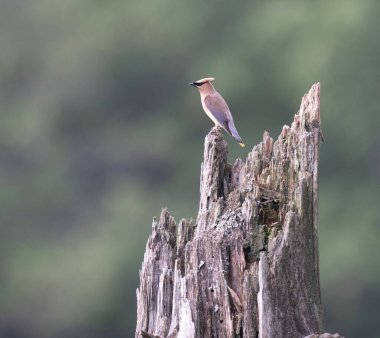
{"points": [[99, 129]]}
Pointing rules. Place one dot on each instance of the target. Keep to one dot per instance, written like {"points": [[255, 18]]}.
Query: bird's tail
{"points": [[235, 134]]}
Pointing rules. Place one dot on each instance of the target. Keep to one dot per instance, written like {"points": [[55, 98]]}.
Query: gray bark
{"points": [[248, 267]]}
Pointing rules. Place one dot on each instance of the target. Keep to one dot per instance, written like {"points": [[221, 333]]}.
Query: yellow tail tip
{"points": [[242, 144]]}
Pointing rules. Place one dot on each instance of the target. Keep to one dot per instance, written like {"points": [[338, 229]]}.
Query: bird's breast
{"points": [[210, 114]]}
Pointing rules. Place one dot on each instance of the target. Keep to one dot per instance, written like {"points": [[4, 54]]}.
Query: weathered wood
{"points": [[325, 335], [249, 265]]}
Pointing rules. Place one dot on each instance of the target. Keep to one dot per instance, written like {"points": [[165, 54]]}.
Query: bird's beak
{"points": [[193, 84]]}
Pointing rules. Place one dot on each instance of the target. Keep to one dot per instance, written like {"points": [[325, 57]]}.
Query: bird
{"points": [[216, 107]]}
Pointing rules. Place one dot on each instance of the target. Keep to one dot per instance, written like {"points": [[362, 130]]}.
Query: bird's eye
{"points": [[198, 84]]}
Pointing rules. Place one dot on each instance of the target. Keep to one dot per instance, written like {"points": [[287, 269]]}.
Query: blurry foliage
{"points": [[99, 130]]}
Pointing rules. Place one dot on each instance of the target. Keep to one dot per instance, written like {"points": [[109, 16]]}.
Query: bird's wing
{"points": [[219, 109]]}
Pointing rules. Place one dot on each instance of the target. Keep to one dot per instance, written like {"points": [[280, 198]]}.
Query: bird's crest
{"points": [[206, 79]]}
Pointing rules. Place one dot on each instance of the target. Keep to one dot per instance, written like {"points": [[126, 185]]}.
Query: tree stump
{"points": [[248, 267]]}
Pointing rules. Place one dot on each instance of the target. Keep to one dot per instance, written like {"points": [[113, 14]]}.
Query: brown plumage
{"points": [[216, 107]]}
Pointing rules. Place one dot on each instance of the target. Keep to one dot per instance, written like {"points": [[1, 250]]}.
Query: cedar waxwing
{"points": [[216, 108]]}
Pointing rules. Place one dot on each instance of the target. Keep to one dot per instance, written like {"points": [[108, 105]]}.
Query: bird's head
{"points": [[198, 84]]}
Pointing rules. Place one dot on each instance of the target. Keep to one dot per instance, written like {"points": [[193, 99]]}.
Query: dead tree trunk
{"points": [[248, 267]]}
